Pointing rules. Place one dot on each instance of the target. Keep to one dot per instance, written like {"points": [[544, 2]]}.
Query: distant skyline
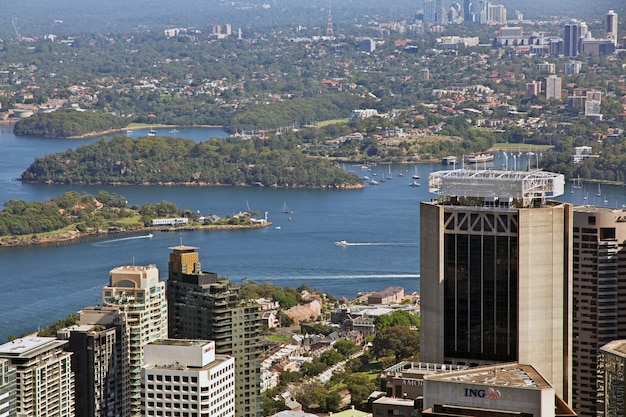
{"points": [[38, 17]]}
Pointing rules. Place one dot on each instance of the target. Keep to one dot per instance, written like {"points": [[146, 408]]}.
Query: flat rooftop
{"points": [[616, 347], [29, 346], [505, 375]]}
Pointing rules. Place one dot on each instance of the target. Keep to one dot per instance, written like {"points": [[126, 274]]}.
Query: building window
{"points": [[607, 233], [592, 220]]}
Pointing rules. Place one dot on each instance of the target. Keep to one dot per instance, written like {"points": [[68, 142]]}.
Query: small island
{"points": [[160, 160], [76, 217]]}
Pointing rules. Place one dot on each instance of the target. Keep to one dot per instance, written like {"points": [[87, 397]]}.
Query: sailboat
{"points": [[599, 191], [415, 176], [285, 209], [577, 183], [389, 175]]}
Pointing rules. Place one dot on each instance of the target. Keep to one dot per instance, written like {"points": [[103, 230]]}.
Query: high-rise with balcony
{"points": [[44, 377], [496, 272], [8, 393], [205, 307], [137, 292], [99, 346], [598, 262]]}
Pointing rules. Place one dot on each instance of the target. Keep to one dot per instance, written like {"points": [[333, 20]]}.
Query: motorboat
{"points": [[341, 243]]}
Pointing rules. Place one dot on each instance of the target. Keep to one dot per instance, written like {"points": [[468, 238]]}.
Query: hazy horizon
{"points": [[38, 17]]}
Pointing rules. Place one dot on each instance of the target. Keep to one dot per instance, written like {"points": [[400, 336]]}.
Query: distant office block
{"points": [[572, 67], [572, 39], [532, 89], [424, 74], [611, 26], [546, 67], [367, 45], [553, 87]]}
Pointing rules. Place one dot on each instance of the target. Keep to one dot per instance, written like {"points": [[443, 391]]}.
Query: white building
{"points": [[45, 381], [186, 378], [137, 292], [553, 87], [7, 389]]}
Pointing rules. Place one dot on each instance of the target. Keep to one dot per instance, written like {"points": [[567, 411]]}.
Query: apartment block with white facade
{"points": [[186, 378], [44, 378]]}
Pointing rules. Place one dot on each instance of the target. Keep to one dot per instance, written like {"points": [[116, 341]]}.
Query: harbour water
{"points": [[41, 284]]}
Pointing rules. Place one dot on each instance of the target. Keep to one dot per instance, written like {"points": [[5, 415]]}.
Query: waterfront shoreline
{"points": [[82, 237]]}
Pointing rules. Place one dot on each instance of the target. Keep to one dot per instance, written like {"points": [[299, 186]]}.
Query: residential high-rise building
{"points": [[8, 389], [553, 87], [99, 346], [611, 26], [599, 259], [496, 272], [496, 13], [612, 387], [138, 293], [44, 378], [205, 307], [468, 15], [186, 378]]}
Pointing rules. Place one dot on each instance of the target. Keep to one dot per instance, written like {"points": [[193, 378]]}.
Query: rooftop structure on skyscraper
{"points": [[497, 188]]}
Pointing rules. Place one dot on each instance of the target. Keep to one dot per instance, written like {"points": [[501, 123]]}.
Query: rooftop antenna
{"points": [[329, 27]]}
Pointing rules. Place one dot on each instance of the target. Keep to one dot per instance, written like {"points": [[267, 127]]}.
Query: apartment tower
{"points": [[44, 378], [138, 293], [496, 272], [598, 262], [611, 26], [205, 307], [99, 346], [8, 399]]}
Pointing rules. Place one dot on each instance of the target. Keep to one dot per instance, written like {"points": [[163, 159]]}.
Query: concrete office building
{"points": [[138, 293], [8, 392], [598, 262], [99, 346], [205, 307], [44, 378], [611, 387], [186, 378], [496, 391], [496, 272]]}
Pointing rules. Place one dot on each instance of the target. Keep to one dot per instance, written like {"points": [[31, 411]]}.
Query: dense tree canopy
{"points": [[68, 123], [158, 160]]}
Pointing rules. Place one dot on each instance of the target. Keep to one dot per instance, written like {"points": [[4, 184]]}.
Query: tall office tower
{"points": [[203, 306], [186, 378], [496, 272], [137, 292], [612, 387], [571, 39], [468, 15], [611, 26], [44, 378], [8, 389], [553, 87], [599, 261], [99, 346], [429, 11]]}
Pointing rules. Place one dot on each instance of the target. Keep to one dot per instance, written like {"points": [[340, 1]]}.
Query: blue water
{"points": [[41, 284]]}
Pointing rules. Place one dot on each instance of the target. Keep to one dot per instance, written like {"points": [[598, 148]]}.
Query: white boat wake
{"points": [[148, 236], [345, 243]]}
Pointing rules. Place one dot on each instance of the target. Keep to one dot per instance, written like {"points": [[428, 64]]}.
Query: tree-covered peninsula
{"points": [[68, 124], [165, 160]]}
